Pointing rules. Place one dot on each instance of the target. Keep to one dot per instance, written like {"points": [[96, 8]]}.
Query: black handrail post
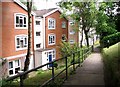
{"points": [[21, 81], [73, 61], [82, 55], [66, 68], [79, 58], [53, 72]]}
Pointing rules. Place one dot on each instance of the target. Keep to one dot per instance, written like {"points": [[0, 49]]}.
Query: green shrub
{"points": [[111, 39]]}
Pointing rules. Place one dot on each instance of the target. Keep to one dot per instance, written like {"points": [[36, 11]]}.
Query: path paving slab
{"points": [[90, 74]]}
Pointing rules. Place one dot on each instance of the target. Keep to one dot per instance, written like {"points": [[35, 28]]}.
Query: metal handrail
{"points": [[53, 76]]}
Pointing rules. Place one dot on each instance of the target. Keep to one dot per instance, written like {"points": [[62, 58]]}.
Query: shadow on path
{"points": [[90, 74]]}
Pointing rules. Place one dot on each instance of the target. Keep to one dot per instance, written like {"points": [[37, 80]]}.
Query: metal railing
{"points": [[77, 58]]}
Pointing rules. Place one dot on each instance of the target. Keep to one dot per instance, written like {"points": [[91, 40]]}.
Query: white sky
{"points": [[45, 4]]}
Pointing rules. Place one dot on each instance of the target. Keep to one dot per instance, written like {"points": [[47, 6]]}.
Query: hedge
{"points": [[110, 39]]}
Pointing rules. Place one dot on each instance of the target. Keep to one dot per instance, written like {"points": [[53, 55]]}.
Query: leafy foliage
{"points": [[104, 26], [82, 12], [67, 49], [111, 39]]}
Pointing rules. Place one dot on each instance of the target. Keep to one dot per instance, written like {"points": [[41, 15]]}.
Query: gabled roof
{"points": [[45, 12], [22, 6]]}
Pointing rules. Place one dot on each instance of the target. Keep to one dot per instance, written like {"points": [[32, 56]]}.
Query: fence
{"points": [[71, 61]]}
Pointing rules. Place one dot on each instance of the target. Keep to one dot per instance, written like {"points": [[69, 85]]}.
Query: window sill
{"points": [[19, 49]]}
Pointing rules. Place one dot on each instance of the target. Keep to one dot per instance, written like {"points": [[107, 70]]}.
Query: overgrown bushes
{"points": [[110, 39], [111, 58]]}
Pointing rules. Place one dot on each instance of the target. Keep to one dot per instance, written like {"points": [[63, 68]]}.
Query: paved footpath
{"points": [[91, 73]]}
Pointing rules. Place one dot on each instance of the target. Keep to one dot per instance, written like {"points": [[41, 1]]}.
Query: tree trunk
{"points": [[86, 37], [27, 60]]}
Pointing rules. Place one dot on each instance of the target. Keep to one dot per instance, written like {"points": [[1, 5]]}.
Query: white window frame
{"points": [[22, 18], [71, 23], [71, 32], [54, 24], [52, 39], [63, 24], [14, 67], [21, 37], [71, 41]]}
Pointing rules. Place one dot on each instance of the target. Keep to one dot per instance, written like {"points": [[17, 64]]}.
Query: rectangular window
{"points": [[20, 20], [72, 32], [51, 39], [38, 45], [38, 33], [71, 23], [64, 24], [51, 23], [37, 22], [72, 41], [64, 37], [21, 42], [14, 67]]}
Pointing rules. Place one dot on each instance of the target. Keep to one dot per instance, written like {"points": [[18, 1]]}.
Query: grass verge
{"points": [[111, 58]]}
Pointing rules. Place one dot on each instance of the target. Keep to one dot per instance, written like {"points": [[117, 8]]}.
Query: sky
{"points": [[45, 4]]}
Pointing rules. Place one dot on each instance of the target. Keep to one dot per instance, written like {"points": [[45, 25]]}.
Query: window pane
{"points": [[17, 19], [21, 23], [17, 69], [24, 20], [37, 33], [38, 45], [37, 22], [18, 41], [25, 40], [10, 72], [21, 44], [10, 65], [16, 63]]}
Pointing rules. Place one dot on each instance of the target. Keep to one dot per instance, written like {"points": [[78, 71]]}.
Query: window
{"points": [[51, 23], [72, 41], [37, 22], [20, 20], [63, 37], [14, 67], [21, 42], [38, 45], [71, 23], [38, 33], [63, 24], [72, 32], [51, 39]]}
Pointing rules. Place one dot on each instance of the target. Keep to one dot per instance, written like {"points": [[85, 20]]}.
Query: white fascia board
{"points": [[50, 12], [23, 6], [20, 4]]}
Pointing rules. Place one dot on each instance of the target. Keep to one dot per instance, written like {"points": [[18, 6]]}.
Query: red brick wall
{"points": [[8, 29], [58, 31], [0, 30]]}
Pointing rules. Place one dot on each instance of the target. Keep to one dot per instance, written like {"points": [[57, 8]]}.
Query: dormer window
{"points": [[51, 23], [21, 21]]}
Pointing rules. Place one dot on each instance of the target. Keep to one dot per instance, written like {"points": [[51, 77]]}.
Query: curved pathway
{"points": [[91, 72]]}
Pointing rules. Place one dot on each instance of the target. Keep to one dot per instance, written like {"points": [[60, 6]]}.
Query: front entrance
{"points": [[50, 60]]}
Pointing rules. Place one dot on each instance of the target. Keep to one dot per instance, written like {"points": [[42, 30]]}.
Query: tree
{"points": [[27, 60], [82, 12], [105, 24], [25, 3]]}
